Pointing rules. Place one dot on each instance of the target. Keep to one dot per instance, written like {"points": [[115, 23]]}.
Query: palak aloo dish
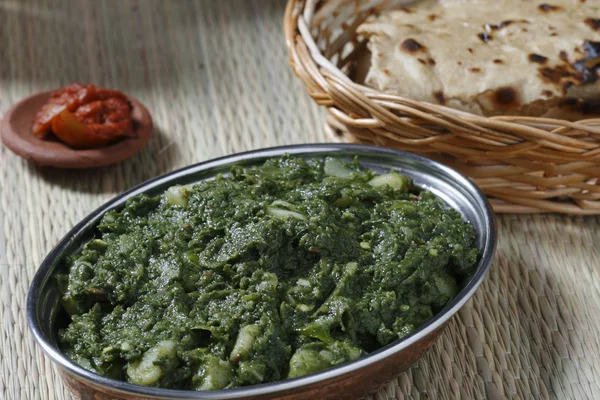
{"points": [[270, 272]]}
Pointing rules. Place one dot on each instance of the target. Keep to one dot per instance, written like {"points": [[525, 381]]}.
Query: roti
{"points": [[491, 57]]}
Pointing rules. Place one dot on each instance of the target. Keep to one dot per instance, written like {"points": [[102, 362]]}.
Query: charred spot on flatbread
{"points": [[562, 76], [536, 58], [593, 23], [506, 97], [485, 37], [563, 56], [411, 46], [545, 7], [495, 27], [440, 97]]}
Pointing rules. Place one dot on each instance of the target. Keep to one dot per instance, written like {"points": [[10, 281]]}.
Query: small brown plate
{"points": [[16, 133]]}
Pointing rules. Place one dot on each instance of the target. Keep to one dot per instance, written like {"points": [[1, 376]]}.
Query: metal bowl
{"points": [[349, 380]]}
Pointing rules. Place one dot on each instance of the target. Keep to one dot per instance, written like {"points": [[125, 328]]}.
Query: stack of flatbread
{"points": [[491, 57]]}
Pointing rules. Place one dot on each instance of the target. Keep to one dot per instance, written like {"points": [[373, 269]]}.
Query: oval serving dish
{"points": [[349, 380]]}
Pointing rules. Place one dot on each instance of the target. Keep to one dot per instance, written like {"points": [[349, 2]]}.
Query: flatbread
{"points": [[491, 57]]}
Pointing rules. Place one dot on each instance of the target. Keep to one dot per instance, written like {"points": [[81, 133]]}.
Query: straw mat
{"points": [[215, 76]]}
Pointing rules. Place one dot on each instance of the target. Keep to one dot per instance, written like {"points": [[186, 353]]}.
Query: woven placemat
{"points": [[215, 76]]}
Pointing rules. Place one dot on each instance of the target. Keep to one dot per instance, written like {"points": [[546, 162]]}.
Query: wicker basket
{"points": [[523, 164]]}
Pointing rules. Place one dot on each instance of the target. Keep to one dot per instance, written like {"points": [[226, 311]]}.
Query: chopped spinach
{"points": [[270, 272]]}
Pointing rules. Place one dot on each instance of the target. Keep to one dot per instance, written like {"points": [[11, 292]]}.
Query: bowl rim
{"points": [[46, 270]]}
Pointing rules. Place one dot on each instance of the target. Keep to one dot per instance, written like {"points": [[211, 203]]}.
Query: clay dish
{"points": [[16, 134]]}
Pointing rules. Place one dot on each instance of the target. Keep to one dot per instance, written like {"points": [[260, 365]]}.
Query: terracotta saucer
{"points": [[17, 123]]}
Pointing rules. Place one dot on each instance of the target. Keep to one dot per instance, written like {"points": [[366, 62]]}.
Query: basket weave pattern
{"points": [[524, 164]]}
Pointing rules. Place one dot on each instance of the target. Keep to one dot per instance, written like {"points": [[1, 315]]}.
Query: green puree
{"points": [[269, 273]]}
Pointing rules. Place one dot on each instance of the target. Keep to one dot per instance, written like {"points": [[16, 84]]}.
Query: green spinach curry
{"points": [[270, 272]]}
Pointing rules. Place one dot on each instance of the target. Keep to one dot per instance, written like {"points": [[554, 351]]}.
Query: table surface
{"points": [[215, 77]]}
